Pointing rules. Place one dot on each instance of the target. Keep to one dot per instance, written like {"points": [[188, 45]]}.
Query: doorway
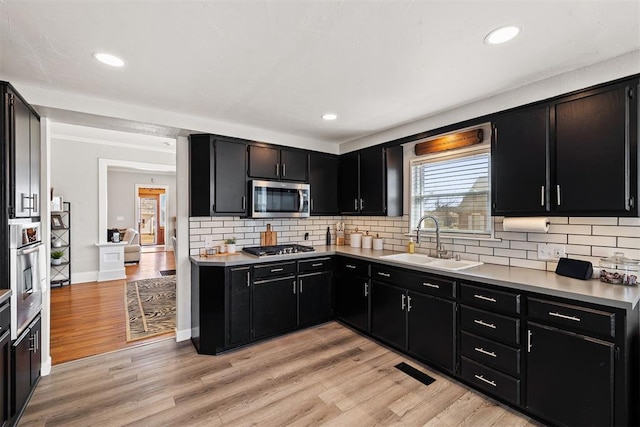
{"points": [[151, 214]]}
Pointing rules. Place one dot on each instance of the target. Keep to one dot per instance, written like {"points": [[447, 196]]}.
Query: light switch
{"points": [[119, 218]]}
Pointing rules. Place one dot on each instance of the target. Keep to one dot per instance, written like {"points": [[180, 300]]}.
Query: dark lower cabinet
{"points": [[388, 313], [570, 377], [314, 298], [352, 300], [274, 306], [5, 357], [431, 324], [26, 365], [239, 305]]}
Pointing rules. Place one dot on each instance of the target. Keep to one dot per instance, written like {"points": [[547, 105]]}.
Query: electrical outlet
{"points": [[550, 251], [208, 241]]}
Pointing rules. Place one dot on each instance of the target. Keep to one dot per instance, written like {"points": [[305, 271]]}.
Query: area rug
{"points": [[167, 272], [151, 307]]}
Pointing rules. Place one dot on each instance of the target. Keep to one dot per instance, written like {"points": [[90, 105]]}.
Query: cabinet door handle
{"points": [[350, 266], [564, 316], [481, 378], [483, 351], [542, 196], [284, 169], [403, 304], [431, 285], [275, 270], [312, 204], [485, 324], [300, 285], [294, 286], [244, 202], [408, 303], [355, 204], [248, 279], [34, 204], [361, 204], [529, 334], [558, 193], [277, 169], [318, 264], [380, 273], [482, 297], [366, 289]]}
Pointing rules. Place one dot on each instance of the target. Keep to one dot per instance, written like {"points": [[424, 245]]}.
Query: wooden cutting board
{"points": [[268, 238]]}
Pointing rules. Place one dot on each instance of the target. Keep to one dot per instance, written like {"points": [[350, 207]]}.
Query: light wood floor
{"points": [[327, 375], [89, 318]]}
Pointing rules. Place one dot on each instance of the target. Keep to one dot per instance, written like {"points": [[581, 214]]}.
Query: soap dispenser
{"points": [[411, 248]]}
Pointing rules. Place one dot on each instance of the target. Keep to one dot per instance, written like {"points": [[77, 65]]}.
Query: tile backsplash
{"points": [[584, 238]]}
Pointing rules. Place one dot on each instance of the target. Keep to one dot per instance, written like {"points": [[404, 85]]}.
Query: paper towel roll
{"points": [[526, 224]]}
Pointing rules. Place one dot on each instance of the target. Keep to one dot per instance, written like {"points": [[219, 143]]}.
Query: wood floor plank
{"points": [[327, 375]]}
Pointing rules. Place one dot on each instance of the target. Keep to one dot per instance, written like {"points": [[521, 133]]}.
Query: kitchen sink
{"points": [[427, 261]]}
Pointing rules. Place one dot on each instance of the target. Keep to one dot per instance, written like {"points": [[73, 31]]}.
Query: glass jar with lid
{"points": [[619, 269]]}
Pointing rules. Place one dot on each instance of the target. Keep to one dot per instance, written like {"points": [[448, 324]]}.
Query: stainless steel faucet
{"points": [[440, 251]]}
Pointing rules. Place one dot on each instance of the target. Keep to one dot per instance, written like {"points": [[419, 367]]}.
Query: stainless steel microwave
{"points": [[276, 199]]}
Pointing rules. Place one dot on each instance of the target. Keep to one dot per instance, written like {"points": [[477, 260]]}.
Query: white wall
{"points": [[121, 197], [75, 151]]}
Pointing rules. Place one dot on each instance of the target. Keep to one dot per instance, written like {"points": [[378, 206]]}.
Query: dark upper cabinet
{"points": [[21, 127], [519, 162], [575, 155], [323, 184], [217, 177], [371, 182], [276, 163], [595, 147]]}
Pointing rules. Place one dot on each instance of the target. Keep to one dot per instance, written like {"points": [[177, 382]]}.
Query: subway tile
{"points": [[629, 242], [529, 246], [547, 238], [592, 240], [558, 220], [570, 229], [598, 251], [527, 263], [494, 243], [594, 220], [494, 260], [620, 231], [243, 229], [629, 221], [213, 224], [201, 231], [466, 242], [511, 253], [393, 229], [479, 250], [511, 235], [532, 255], [578, 250], [470, 257]]}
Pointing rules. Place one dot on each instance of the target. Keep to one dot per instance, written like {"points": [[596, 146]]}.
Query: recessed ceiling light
{"points": [[502, 34], [107, 58], [329, 116]]}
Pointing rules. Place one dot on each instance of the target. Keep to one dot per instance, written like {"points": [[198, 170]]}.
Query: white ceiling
{"points": [[279, 65]]}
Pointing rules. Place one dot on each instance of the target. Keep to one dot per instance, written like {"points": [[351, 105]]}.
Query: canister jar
{"points": [[619, 269]]}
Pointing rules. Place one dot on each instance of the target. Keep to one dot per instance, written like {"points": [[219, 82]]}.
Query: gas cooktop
{"points": [[277, 249]]}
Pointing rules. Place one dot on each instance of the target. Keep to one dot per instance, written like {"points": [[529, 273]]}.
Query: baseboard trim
{"points": [[45, 368], [183, 335], [84, 277]]}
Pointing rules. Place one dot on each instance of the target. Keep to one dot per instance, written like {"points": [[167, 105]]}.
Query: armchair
{"points": [[132, 249]]}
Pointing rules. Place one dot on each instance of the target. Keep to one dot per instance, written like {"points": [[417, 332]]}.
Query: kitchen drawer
{"points": [[492, 299], [354, 266], [384, 273], [490, 353], [316, 264], [432, 285], [5, 318], [583, 319], [492, 381], [491, 325], [275, 269]]}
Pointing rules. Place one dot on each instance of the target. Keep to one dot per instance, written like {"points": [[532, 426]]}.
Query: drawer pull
{"points": [[431, 285], [318, 264], [483, 351], [366, 290], [481, 378], [380, 273], [350, 266], [482, 323], [275, 270], [482, 297], [564, 316]]}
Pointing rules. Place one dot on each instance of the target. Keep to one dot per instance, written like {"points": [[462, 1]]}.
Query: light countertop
{"points": [[543, 282]]}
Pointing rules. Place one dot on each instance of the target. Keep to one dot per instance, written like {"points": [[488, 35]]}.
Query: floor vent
{"points": [[413, 372]]}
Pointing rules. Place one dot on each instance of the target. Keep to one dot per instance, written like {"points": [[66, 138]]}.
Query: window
{"points": [[454, 187]]}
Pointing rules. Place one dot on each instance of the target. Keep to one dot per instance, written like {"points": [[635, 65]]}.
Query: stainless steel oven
{"points": [[277, 199], [26, 274]]}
